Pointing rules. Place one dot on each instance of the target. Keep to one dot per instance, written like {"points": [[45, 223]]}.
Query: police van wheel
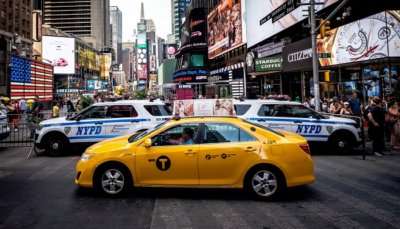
{"points": [[341, 143], [55, 145], [112, 179], [265, 182]]}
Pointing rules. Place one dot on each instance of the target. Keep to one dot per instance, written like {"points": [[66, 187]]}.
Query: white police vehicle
{"points": [[342, 134], [99, 122], [4, 127]]}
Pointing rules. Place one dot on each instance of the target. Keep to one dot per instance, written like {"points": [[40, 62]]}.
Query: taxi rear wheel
{"points": [[265, 182], [55, 145], [112, 179]]}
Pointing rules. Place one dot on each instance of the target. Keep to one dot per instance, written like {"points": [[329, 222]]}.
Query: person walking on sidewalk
{"points": [[376, 126], [55, 110], [393, 122]]}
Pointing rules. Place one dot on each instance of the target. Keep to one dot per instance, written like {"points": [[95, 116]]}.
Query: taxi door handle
{"points": [[190, 153], [250, 149], [298, 122], [98, 123]]}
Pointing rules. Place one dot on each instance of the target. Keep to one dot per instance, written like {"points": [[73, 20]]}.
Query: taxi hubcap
{"points": [[264, 183], [341, 144], [112, 181]]}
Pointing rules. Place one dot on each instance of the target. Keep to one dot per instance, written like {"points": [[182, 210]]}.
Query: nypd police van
{"points": [[342, 134], [99, 122]]}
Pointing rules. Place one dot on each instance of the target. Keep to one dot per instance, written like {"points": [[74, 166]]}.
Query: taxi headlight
{"points": [[86, 157]]}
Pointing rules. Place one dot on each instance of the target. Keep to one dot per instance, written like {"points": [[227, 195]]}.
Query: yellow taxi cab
{"points": [[203, 152]]}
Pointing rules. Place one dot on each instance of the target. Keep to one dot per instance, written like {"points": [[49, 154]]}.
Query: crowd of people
{"points": [[381, 117]]}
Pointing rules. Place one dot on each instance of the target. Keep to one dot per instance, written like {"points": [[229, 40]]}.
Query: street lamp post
{"points": [[317, 101]]}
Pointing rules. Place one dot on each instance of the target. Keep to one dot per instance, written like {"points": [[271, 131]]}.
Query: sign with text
{"points": [[269, 64]]}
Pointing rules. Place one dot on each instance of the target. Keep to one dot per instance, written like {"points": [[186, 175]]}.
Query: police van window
{"points": [[241, 109], [178, 135], [121, 111], [158, 110], [302, 112], [93, 112], [220, 133]]}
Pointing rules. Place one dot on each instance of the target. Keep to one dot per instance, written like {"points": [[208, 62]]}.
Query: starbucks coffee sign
{"points": [[269, 64]]}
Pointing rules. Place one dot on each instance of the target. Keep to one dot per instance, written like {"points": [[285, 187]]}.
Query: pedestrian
{"points": [[12, 113], [36, 115], [346, 110], [23, 108], [55, 111], [392, 121], [70, 106], [376, 126], [335, 106]]}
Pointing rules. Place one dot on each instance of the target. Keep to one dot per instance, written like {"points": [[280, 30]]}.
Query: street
{"points": [[349, 193]]}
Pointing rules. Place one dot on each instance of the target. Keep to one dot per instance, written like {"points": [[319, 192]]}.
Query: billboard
{"points": [[225, 27], [105, 65], [60, 53], [374, 37], [142, 71], [265, 18], [203, 107], [30, 78]]}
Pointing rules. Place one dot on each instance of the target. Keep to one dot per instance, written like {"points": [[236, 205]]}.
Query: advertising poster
{"points": [[142, 71], [225, 29], [374, 37], [105, 65], [265, 18], [204, 107], [183, 108], [60, 53]]}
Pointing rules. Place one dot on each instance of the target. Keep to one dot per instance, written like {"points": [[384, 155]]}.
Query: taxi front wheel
{"points": [[112, 179], [265, 182]]}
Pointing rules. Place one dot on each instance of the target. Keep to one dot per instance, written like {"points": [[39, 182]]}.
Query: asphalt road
{"points": [[349, 193]]}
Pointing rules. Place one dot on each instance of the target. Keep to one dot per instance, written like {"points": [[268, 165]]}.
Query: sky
{"points": [[158, 10]]}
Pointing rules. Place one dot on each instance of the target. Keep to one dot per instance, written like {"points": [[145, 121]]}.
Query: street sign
{"points": [[324, 55], [281, 11]]}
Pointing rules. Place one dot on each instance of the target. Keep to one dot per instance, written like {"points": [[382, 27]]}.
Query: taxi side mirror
{"points": [[147, 143]]}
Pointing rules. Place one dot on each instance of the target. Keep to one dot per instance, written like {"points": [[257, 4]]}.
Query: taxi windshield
{"points": [[138, 135]]}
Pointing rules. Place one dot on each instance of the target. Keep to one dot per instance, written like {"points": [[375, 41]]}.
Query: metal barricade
{"points": [[17, 131]]}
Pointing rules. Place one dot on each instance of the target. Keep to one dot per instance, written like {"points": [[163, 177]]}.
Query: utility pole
{"points": [[315, 64]]}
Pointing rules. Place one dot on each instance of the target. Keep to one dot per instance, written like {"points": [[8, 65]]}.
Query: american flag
{"points": [[30, 78]]}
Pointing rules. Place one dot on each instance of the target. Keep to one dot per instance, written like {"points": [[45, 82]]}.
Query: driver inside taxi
{"points": [[185, 139]]}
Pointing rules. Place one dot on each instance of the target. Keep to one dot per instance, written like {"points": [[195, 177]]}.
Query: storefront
{"points": [[227, 82], [297, 69], [265, 76]]}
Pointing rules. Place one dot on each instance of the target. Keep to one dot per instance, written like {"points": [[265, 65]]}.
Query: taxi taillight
{"points": [[305, 148]]}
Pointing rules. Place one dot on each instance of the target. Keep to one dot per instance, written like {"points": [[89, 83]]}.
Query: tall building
{"points": [[178, 9], [116, 24], [88, 19], [15, 33]]}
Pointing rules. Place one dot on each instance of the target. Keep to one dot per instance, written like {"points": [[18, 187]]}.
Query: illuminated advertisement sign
{"points": [[60, 53], [225, 28], [374, 37], [269, 17]]}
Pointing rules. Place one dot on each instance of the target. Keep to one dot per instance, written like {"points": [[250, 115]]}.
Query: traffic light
{"points": [[325, 27]]}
